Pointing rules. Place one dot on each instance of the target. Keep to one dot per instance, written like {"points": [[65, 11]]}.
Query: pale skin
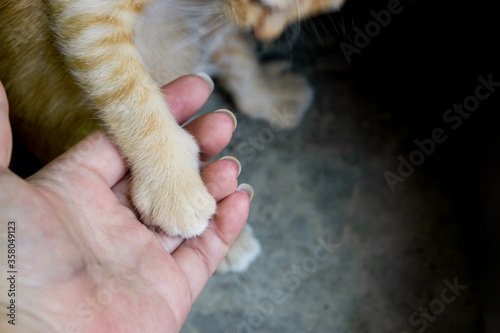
{"points": [[85, 263]]}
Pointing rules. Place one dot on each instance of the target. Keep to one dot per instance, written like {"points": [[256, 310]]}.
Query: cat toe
{"points": [[169, 193], [185, 214]]}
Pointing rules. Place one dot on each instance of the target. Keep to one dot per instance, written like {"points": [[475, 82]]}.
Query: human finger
{"points": [[221, 177], [5, 130], [213, 131], [199, 257], [95, 153], [99, 154], [186, 95]]}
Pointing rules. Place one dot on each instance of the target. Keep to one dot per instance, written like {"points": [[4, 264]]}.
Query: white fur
{"points": [[244, 251], [270, 92], [166, 185]]}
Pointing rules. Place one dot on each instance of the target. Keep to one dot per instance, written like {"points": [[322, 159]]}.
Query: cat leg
{"points": [[269, 92], [97, 39]]}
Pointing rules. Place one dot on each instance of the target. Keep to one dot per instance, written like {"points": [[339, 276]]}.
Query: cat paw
{"points": [[279, 96], [167, 189], [243, 252]]}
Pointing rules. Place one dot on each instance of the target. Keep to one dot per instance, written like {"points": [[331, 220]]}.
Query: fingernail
{"points": [[235, 160], [235, 122], [207, 78], [246, 188]]}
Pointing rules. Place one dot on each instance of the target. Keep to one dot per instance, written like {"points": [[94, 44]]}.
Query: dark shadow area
{"points": [[23, 162], [419, 65], [425, 61], [440, 222]]}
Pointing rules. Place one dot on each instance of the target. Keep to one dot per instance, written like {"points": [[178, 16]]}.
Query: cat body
{"points": [[73, 66]]}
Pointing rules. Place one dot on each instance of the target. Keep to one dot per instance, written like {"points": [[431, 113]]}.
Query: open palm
{"points": [[84, 262]]}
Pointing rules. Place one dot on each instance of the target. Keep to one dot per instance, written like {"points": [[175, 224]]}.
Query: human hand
{"points": [[84, 262]]}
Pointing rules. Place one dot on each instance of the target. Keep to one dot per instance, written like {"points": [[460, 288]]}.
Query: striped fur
{"points": [[73, 66]]}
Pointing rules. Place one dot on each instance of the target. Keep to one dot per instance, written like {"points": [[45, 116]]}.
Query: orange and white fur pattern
{"points": [[72, 66]]}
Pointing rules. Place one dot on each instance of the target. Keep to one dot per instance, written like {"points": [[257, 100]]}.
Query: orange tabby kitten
{"points": [[72, 66]]}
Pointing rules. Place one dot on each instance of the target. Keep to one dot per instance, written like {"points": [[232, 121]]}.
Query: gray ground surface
{"points": [[395, 254], [324, 182]]}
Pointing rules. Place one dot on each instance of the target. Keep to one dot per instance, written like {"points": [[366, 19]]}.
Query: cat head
{"points": [[268, 18]]}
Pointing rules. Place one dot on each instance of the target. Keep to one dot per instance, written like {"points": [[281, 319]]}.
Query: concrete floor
{"points": [[390, 254], [419, 259]]}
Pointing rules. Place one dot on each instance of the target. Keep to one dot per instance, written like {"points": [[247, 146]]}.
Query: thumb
{"points": [[5, 130]]}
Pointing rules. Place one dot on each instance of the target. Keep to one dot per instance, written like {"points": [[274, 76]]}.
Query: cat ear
{"points": [[5, 130]]}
